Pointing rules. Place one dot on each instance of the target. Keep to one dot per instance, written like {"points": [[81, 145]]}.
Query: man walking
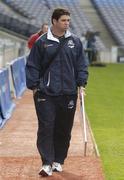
{"points": [[55, 69]]}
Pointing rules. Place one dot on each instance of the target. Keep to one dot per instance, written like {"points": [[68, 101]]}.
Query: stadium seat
{"points": [[112, 14]]}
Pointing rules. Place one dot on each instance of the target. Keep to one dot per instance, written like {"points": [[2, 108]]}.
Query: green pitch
{"points": [[105, 109]]}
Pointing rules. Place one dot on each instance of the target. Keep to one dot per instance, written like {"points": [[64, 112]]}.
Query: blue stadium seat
{"points": [[112, 13], [39, 11]]}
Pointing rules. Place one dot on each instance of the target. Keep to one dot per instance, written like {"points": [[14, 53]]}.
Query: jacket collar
{"points": [[51, 37]]}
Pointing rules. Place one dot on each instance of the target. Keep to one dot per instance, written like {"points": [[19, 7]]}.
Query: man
{"points": [[90, 45], [34, 37], [55, 89]]}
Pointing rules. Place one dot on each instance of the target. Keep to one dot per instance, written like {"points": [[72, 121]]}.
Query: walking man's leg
{"points": [[63, 126], [46, 117]]}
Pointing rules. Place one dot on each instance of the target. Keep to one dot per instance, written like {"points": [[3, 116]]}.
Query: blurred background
{"points": [[20, 19], [100, 26]]}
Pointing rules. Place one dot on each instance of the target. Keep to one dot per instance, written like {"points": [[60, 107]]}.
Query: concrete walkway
{"points": [[19, 158]]}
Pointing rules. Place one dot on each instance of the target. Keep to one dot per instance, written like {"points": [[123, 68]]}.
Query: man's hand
{"points": [[81, 91]]}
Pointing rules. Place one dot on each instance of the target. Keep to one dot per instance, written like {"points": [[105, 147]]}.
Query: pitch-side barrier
{"points": [[15, 69], [6, 102], [18, 75]]}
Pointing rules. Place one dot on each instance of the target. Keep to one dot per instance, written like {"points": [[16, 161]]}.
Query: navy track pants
{"points": [[55, 120]]}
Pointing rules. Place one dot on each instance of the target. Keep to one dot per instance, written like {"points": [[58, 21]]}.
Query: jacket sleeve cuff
{"points": [[83, 84]]}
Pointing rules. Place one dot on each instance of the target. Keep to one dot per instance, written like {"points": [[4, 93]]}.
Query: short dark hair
{"points": [[58, 12]]}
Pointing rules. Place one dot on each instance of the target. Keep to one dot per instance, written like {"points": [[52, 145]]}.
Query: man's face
{"points": [[62, 23]]}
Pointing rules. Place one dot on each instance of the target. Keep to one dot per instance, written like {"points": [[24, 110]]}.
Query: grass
{"points": [[105, 109]]}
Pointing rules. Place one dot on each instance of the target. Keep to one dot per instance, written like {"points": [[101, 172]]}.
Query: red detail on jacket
{"points": [[32, 40]]}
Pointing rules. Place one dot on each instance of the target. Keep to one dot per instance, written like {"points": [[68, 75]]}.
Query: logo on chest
{"points": [[71, 44]]}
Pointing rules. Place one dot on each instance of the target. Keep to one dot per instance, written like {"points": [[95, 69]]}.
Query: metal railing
{"points": [[86, 127], [82, 108]]}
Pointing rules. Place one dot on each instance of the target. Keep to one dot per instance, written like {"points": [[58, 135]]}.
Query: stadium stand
{"points": [[14, 22], [9, 49], [25, 17], [9, 45], [80, 24], [36, 12], [112, 14]]}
